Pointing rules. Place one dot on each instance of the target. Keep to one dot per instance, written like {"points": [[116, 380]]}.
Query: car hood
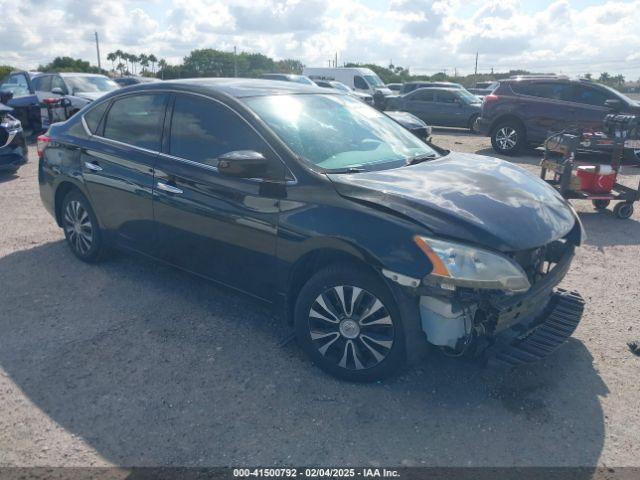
{"points": [[468, 197], [406, 119]]}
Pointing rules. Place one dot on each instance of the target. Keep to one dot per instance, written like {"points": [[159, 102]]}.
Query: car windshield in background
{"points": [[90, 84], [341, 86], [336, 132], [620, 94], [468, 96], [374, 80]]}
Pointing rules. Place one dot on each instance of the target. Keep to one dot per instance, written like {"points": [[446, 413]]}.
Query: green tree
{"points": [[153, 60], [144, 62], [68, 64], [5, 70], [604, 77]]}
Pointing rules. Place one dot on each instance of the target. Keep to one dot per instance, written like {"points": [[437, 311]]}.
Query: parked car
{"points": [[365, 97], [395, 87], [133, 80], [526, 110], [366, 240], [362, 80], [448, 107], [288, 78], [29, 90], [411, 123], [13, 145]]}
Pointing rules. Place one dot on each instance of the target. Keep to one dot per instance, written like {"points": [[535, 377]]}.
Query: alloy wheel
{"points": [[78, 226], [507, 138], [351, 327]]}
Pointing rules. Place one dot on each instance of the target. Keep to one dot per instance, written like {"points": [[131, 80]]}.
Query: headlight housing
{"points": [[456, 264]]}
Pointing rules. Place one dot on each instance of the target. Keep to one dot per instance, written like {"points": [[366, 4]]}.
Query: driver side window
{"points": [[203, 130], [360, 83]]}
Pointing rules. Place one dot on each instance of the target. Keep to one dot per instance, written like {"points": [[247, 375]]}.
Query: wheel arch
{"points": [[507, 117], [317, 259], [61, 191]]}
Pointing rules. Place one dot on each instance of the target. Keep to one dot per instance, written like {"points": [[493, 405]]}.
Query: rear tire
{"points": [[508, 137], [81, 228], [347, 322]]}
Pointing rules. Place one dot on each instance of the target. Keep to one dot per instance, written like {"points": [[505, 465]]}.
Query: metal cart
{"points": [[621, 132]]}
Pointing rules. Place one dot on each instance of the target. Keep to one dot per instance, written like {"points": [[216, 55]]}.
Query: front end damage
{"points": [[502, 327]]}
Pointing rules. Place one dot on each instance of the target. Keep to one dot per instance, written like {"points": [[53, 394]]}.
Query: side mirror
{"points": [[243, 164], [614, 104], [57, 91]]}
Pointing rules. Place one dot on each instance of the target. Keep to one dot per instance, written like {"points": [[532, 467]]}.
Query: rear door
{"points": [[220, 227], [545, 107], [118, 167]]}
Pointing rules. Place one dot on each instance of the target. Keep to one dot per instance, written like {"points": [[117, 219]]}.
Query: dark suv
{"points": [[525, 111]]}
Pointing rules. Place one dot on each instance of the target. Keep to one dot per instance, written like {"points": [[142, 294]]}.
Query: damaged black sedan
{"points": [[372, 245]]}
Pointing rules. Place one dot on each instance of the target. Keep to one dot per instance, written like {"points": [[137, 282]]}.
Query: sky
{"points": [[573, 37]]}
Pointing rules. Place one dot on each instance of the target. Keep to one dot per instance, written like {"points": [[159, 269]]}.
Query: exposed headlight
{"points": [[456, 264]]}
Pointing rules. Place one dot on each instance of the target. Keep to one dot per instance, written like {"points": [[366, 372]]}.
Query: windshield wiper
{"points": [[346, 170], [421, 158]]}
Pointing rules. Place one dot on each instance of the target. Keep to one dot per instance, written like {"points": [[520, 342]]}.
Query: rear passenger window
{"points": [[202, 130], [137, 120], [550, 90], [93, 116]]}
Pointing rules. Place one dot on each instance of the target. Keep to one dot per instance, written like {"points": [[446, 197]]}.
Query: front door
{"points": [[421, 104], [117, 165], [220, 227]]}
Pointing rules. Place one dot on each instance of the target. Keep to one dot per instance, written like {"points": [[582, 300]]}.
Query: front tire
{"points": [[81, 228], [508, 137], [347, 322], [623, 210]]}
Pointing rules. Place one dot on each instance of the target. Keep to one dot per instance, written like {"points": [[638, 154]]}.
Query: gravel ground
{"points": [[131, 363]]}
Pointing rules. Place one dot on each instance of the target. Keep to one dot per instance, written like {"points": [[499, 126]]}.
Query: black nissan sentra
{"points": [[370, 244]]}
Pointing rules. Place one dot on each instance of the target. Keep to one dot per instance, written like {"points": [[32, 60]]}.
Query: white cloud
{"points": [[426, 35]]}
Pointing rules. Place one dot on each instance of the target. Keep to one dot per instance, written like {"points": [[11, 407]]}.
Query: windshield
{"points": [[337, 132], [468, 96], [90, 84], [341, 86], [620, 94], [374, 80]]}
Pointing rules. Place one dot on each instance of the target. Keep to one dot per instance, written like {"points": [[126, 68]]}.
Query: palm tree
{"points": [[112, 58], [619, 80], [604, 77], [162, 63], [153, 59], [144, 61]]}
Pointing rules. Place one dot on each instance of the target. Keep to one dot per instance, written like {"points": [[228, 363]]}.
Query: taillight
{"points": [[50, 101], [490, 98], [43, 141]]}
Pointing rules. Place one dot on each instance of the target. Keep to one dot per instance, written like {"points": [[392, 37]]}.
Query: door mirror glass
{"points": [[57, 91], [615, 105], [243, 164]]}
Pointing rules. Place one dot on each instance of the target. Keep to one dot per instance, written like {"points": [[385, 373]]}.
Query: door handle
{"points": [[168, 188], [94, 167]]}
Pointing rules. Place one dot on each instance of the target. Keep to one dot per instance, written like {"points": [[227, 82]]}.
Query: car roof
{"points": [[234, 87], [437, 89], [80, 74]]}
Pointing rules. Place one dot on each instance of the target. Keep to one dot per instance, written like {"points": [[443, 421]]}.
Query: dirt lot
{"points": [[131, 363]]}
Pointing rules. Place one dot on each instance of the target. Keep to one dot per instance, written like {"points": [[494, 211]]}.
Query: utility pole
{"points": [[335, 64], [98, 51], [476, 70], [235, 61]]}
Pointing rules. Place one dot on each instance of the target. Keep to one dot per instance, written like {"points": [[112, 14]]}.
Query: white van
{"points": [[360, 79]]}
